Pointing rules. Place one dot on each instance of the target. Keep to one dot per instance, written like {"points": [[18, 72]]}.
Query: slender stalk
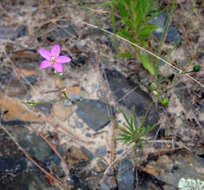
{"points": [[164, 34], [191, 14]]}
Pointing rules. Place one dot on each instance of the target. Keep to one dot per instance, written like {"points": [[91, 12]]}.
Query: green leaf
{"points": [[127, 2], [105, 4], [147, 31], [122, 10], [125, 117], [125, 34], [124, 130], [146, 63], [125, 55]]}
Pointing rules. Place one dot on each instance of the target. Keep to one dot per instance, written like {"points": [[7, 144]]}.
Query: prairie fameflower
{"points": [[53, 59]]}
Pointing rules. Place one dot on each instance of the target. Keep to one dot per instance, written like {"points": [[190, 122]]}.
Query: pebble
{"points": [[77, 155], [101, 151], [12, 32], [12, 165], [26, 58], [160, 21], [45, 108], [125, 176], [109, 184], [93, 113], [99, 166]]}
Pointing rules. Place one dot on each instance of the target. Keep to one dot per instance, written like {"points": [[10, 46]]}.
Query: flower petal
{"points": [[55, 51], [44, 53], [63, 59], [58, 67], [45, 64]]}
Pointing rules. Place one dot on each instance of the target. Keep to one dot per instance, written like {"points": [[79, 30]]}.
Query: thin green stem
{"points": [[191, 14], [82, 105], [113, 16], [164, 34], [43, 102]]}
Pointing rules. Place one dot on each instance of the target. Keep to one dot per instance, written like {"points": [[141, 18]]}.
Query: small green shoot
{"points": [[131, 133], [134, 16]]}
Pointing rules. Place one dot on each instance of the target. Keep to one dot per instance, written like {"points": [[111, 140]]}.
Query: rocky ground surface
{"points": [[32, 137]]}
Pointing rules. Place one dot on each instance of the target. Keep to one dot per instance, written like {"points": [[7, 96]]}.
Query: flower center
{"points": [[53, 60]]}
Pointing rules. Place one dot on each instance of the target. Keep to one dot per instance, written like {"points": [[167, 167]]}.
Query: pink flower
{"points": [[53, 59]]}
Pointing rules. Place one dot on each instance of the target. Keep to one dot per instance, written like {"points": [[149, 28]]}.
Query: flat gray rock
{"points": [[129, 95], [11, 32], [160, 21], [93, 113], [126, 177]]}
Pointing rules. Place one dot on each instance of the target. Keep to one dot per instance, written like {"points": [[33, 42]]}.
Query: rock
{"points": [[10, 84], [16, 171], [93, 113], [58, 171], [81, 44], [77, 180], [100, 152], [45, 108], [32, 143], [202, 108], [8, 148], [27, 59], [15, 88], [109, 184], [160, 21], [12, 165], [65, 30], [61, 111], [184, 95], [78, 155], [136, 98], [125, 176], [171, 168], [37, 148], [99, 166], [87, 152], [29, 80], [12, 32], [29, 180]]}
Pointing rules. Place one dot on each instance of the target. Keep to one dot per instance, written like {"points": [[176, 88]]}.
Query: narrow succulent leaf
{"points": [[125, 117], [124, 130]]}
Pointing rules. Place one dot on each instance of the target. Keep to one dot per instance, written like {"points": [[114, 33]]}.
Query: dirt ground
{"points": [[27, 26]]}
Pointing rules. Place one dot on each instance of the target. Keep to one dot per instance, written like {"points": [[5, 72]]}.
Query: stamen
{"points": [[53, 60]]}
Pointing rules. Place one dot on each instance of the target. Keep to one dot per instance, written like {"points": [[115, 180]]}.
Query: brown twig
{"points": [[114, 125], [51, 146]]}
